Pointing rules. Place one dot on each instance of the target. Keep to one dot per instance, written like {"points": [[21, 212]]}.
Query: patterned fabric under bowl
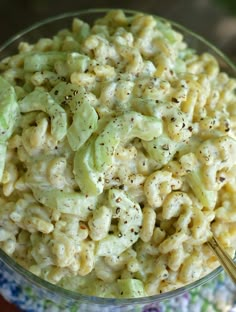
{"points": [[217, 295]]}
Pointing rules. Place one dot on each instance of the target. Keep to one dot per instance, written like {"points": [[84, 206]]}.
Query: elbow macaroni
{"points": [[152, 200]]}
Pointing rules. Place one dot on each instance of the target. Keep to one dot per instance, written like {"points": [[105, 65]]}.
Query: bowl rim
{"points": [[69, 294], [71, 14], [44, 285]]}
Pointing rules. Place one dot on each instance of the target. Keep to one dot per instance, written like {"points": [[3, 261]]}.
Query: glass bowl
{"points": [[33, 294]]}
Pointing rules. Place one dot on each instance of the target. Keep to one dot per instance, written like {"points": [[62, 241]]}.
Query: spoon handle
{"points": [[224, 258]]}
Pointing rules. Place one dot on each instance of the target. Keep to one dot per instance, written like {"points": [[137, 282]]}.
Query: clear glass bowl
{"points": [[33, 294]]}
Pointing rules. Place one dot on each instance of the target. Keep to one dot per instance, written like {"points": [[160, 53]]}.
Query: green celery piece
{"points": [[161, 149], [84, 124], [206, 197], [180, 66], [121, 129], [38, 61], [9, 110], [130, 220], [3, 152], [72, 95], [83, 32], [145, 106], [74, 203], [77, 62], [66, 92], [130, 288], [90, 181], [43, 101], [112, 245]]}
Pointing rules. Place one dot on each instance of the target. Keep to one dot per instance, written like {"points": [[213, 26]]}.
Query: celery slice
{"points": [[66, 202], [87, 177], [206, 197], [77, 62], [38, 61], [43, 101], [121, 129], [83, 125], [161, 149], [130, 220], [9, 110], [130, 288], [72, 95]]}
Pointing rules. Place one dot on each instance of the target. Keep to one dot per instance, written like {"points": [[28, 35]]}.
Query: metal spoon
{"points": [[224, 258]]}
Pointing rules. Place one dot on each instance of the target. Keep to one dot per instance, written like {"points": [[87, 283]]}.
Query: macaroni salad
{"points": [[117, 157]]}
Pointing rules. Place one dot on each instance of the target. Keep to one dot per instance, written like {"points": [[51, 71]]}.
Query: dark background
{"points": [[213, 19]]}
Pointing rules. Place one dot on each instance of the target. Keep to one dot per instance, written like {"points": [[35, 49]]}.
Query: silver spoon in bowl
{"points": [[226, 261]]}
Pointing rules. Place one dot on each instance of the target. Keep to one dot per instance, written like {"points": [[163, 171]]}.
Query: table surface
{"points": [[217, 25], [7, 307]]}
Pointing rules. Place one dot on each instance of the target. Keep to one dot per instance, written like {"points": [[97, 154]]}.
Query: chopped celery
{"points": [[161, 149], [112, 245], [83, 125], [43, 101], [66, 92], [121, 129], [130, 288], [180, 66], [77, 62], [76, 203], [130, 220], [81, 29], [168, 33], [38, 61], [66, 202], [9, 109], [3, 152], [72, 95], [206, 197], [175, 122], [87, 177], [145, 106]]}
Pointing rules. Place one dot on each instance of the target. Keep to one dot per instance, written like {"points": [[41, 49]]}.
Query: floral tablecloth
{"points": [[218, 295]]}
